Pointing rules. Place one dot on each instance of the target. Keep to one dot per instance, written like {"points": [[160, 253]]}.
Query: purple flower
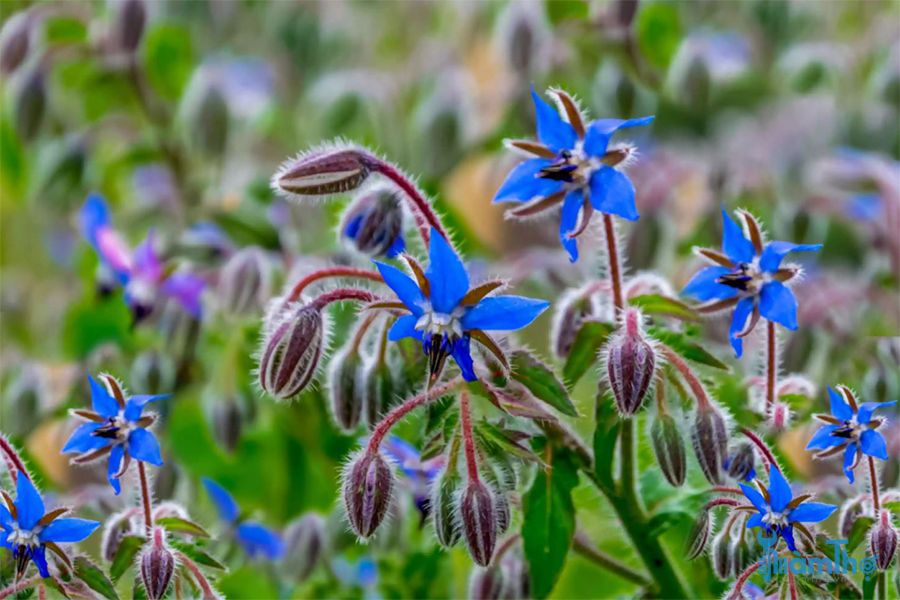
{"points": [[780, 511], [573, 165], [850, 428], [255, 539], [139, 271], [749, 277], [117, 428]]}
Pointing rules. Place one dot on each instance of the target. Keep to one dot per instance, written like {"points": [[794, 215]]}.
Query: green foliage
{"points": [[526, 369], [583, 355], [168, 56]]}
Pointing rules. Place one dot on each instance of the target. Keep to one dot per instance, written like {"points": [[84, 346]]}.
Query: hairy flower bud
{"points": [[304, 542], [669, 448], [883, 541], [15, 39], [227, 422], [323, 172], [630, 364], [780, 416], [368, 483], [115, 528], [850, 511], [291, 351], [516, 578], [742, 463], [720, 555], [130, 25], [444, 490], [29, 103], [699, 535], [374, 222], [503, 511], [245, 283], [153, 372], [486, 583], [571, 311], [210, 120], [709, 436], [345, 389], [157, 565], [478, 515], [379, 393]]}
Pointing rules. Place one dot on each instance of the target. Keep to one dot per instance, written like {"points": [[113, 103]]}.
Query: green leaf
{"points": [[88, 325], [563, 10], [894, 507], [658, 32], [94, 577], [657, 304], [588, 341], [197, 555], [493, 438], [64, 30], [541, 381], [124, 558], [858, 532], [686, 348], [179, 525], [549, 521], [608, 424], [168, 59]]}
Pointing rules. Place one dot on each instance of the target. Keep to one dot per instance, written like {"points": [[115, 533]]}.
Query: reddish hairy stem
{"points": [[615, 274], [466, 418], [332, 272], [757, 441], [722, 502], [18, 587], [208, 592], [874, 477], [344, 294], [402, 410], [772, 366], [505, 546], [689, 376], [744, 577], [792, 585], [14, 462], [721, 489], [145, 496], [425, 215]]}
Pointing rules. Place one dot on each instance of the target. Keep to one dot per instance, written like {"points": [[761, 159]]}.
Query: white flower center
{"points": [[24, 537], [441, 324]]}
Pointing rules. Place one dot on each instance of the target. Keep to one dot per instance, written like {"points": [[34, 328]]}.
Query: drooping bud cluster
{"points": [[668, 445], [304, 545], [883, 541], [373, 224], [324, 172], [709, 436], [294, 339], [368, 484], [157, 565], [478, 515], [630, 365], [245, 282]]}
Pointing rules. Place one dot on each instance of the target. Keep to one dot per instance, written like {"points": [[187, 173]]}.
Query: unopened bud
{"points": [[850, 511], [291, 351], [486, 583], [15, 39], [227, 422], [883, 541], [630, 364], [709, 436], [245, 283], [570, 314], [130, 25], [115, 528], [720, 555], [21, 411], [741, 465], [444, 490], [503, 511], [478, 515], [330, 170], [304, 541], [157, 565], [210, 120], [30, 102], [345, 389], [780, 416], [699, 536], [380, 391], [153, 372], [516, 578], [669, 448], [374, 223], [368, 483], [741, 554]]}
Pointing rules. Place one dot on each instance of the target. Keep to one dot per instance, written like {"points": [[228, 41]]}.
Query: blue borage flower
{"points": [[779, 511], [573, 166], [117, 428], [748, 276], [255, 539], [850, 428], [29, 531], [446, 314], [139, 271]]}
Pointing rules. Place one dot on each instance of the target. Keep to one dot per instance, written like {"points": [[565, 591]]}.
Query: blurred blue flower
{"points": [[748, 276], [865, 207], [447, 314], [117, 428], [139, 271], [362, 573], [418, 473], [573, 165], [780, 511], [850, 428], [26, 528], [255, 539]]}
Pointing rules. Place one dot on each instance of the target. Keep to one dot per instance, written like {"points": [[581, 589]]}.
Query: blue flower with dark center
{"points": [[255, 539], [850, 428], [29, 531], [445, 314], [779, 511], [748, 277], [117, 428], [573, 165]]}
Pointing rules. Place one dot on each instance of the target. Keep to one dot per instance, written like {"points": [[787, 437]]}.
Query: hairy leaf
{"points": [[588, 341], [541, 381]]}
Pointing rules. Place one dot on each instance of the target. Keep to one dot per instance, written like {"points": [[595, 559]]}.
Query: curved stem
{"points": [[20, 586], [757, 441], [693, 382], [772, 365], [722, 502], [145, 496], [505, 546], [332, 272], [425, 216], [466, 418], [615, 274], [343, 294], [402, 410], [205, 587], [583, 547], [874, 477]]}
